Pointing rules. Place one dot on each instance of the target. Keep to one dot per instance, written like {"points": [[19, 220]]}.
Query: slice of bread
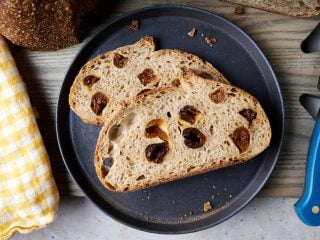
{"points": [[174, 132], [118, 76], [297, 8]]}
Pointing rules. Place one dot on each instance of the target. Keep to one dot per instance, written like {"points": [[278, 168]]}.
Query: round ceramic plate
{"points": [[177, 207]]}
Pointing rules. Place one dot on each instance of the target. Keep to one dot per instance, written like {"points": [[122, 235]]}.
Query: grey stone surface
{"points": [[264, 218]]}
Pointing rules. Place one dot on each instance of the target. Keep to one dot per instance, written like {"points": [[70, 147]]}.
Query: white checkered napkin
{"points": [[28, 194]]}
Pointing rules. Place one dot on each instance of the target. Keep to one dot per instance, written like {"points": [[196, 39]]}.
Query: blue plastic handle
{"points": [[308, 206]]}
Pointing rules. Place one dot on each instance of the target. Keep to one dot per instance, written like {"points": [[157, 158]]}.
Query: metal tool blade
{"points": [[312, 42], [311, 103]]}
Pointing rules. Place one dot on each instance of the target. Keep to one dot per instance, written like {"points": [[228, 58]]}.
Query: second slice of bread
{"points": [[119, 75], [298, 8], [175, 132]]}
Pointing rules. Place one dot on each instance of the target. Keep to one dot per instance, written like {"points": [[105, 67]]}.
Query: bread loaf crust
{"points": [[42, 25]]}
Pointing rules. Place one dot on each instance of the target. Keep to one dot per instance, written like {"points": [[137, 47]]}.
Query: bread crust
{"points": [[42, 25]]}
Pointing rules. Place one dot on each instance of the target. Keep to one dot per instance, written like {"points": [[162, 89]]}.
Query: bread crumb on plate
{"points": [[134, 26], [210, 41], [192, 33], [207, 206]]}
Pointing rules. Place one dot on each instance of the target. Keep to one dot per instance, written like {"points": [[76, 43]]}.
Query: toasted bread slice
{"points": [[175, 132], [297, 8], [119, 75]]}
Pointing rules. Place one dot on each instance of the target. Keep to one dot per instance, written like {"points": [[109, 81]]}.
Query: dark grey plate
{"points": [[167, 208]]}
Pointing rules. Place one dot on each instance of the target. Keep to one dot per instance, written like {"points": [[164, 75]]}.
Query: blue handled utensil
{"points": [[308, 206]]}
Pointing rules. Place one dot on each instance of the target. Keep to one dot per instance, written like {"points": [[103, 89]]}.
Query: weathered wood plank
{"points": [[279, 38]]}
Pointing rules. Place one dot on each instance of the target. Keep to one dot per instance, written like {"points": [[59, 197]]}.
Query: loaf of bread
{"points": [[119, 75], [297, 8], [174, 132], [43, 25]]}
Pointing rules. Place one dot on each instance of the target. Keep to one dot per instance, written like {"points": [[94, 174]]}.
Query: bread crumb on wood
{"points": [[207, 206], [239, 10], [134, 26], [210, 41], [192, 33]]}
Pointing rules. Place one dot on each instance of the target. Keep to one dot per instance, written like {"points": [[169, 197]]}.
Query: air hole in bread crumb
{"points": [[114, 132], [205, 75], [126, 189], [130, 119], [104, 171], [141, 177], [108, 162], [169, 114], [190, 168], [211, 130], [110, 148], [110, 186]]}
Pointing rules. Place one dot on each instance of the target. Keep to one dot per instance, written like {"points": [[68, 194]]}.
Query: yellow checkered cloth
{"points": [[28, 194]]}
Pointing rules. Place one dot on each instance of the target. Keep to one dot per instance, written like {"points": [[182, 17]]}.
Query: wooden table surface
{"points": [[278, 36]]}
